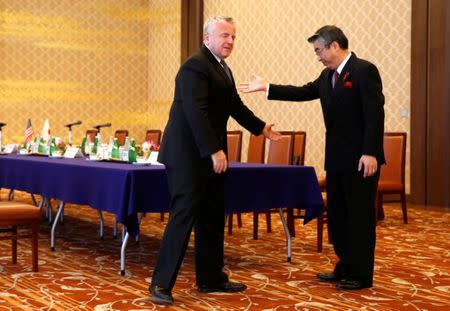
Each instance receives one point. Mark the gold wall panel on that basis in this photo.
(95, 61)
(271, 42)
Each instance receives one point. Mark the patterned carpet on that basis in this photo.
(412, 268)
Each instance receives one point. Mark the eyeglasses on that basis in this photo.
(319, 51)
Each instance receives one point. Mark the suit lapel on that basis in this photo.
(346, 71)
(222, 72)
(218, 67)
(328, 89)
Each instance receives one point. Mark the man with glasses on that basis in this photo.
(350, 92)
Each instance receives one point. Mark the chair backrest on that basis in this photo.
(256, 149)
(121, 135)
(234, 143)
(280, 151)
(394, 145)
(153, 135)
(92, 133)
(299, 148)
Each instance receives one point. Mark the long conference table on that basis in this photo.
(127, 190)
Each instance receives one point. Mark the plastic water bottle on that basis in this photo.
(124, 150)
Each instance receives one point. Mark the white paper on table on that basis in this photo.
(10, 148)
(153, 158)
(73, 152)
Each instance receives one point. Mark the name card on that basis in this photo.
(10, 148)
(73, 152)
(153, 158)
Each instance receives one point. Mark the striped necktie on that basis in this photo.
(335, 78)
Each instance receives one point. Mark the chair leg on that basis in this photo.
(34, 245)
(11, 195)
(319, 233)
(405, 215)
(14, 245)
(290, 221)
(330, 241)
(255, 225)
(239, 219)
(269, 222)
(230, 224)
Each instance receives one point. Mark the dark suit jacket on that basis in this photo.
(352, 110)
(204, 100)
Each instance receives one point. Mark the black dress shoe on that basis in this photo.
(227, 287)
(161, 295)
(330, 277)
(350, 284)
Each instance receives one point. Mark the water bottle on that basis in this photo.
(115, 150)
(96, 143)
(41, 146)
(87, 145)
(124, 150)
(110, 147)
(53, 147)
(132, 152)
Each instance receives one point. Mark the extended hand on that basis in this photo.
(256, 84)
(219, 160)
(370, 165)
(272, 135)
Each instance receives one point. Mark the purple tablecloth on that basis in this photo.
(126, 189)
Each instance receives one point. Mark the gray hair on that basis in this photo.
(213, 20)
(329, 33)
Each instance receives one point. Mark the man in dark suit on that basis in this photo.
(194, 149)
(350, 92)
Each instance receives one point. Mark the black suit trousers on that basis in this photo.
(197, 200)
(351, 219)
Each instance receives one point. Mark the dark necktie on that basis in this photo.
(335, 78)
(226, 69)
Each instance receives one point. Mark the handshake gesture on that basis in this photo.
(256, 84)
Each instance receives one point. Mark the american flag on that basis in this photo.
(28, 132)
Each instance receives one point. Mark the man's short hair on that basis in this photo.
(216, 19)
(328, 34)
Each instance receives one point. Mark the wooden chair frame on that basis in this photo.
(269, 160)
(9, 230)
(234, 158)
(400, 190)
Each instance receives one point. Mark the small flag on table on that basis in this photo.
(46, 132)
(28, 132)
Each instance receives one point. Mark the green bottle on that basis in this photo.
(132, 151)
(41, 148)
(94, 149)
(115, 151)
(83, 146)
(53, 147)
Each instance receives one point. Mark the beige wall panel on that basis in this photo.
(164, 59)
(67, 60)
(271, 42)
